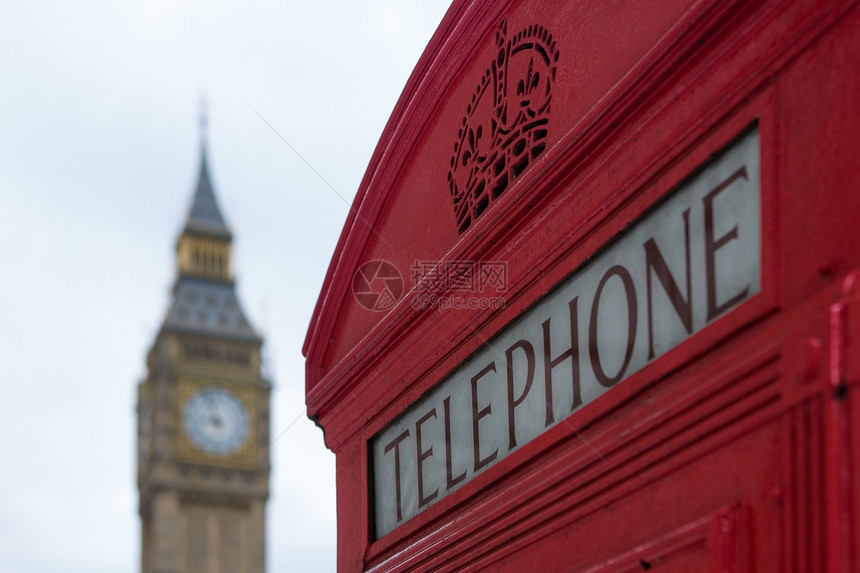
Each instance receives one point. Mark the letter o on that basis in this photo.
(632, 312)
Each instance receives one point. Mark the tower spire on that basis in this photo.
(204, 123)
(204, 216)
(203, 247)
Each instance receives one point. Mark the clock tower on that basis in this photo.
(203, 414)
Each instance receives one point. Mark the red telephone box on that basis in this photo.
(597, 304)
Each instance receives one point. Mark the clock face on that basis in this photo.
(216, 421)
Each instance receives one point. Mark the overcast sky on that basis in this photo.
(99, 152)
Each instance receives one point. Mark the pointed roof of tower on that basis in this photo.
(205, 217)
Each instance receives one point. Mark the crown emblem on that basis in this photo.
(505, 124)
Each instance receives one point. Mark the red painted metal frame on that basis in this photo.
(734, 451)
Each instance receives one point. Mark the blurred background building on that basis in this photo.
(203, 413)
(99, 158)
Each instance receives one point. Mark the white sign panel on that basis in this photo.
(691, 260)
